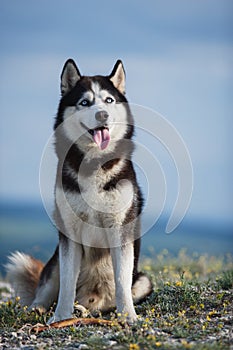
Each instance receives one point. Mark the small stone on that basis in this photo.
(111, 343)
(83, 346)
(14, 334)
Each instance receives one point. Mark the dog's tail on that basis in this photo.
(142, 287)
(23, 272)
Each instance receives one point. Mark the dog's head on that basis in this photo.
(93, 110)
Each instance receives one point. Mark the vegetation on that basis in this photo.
(190, 308)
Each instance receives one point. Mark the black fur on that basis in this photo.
(48, 268)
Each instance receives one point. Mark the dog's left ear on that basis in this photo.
(117, 76)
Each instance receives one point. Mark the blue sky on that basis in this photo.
(178, 59)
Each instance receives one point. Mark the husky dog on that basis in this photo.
(97, 205)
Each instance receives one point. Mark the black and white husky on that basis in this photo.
(98, 205)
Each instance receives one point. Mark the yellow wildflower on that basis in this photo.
(212, 312)
(181, 313)
(158, 343)
(147, 268)
(134, 347)
(151, 337)
(178, 284)
(185, 343)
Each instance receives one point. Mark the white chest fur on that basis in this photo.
(94, 215)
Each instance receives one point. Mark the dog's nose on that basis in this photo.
(101, 116)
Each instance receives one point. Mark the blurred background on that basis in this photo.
(178, 58)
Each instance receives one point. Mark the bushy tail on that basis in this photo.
(23, 272)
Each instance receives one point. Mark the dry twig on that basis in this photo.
(71, 322)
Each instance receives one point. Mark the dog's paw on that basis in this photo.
(81, 311)
(39, 309)
(131, 319)
(52, 320)
(128, 318)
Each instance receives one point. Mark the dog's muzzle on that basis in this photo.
(100, 134)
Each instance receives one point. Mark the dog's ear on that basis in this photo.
(117, 76)
(69, 76)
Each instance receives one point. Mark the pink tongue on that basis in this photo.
(101, 138)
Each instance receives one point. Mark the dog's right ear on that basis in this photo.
(69, 77)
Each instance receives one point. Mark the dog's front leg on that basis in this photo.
(70, 255)
(122, 258)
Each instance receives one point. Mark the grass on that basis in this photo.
(190, 308)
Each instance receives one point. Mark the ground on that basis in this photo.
(190, 308)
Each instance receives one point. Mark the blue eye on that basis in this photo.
(109, 100)
(84, 103)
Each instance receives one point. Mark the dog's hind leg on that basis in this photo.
(142, 285)
(48, 287)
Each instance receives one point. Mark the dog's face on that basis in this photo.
(94, 110)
